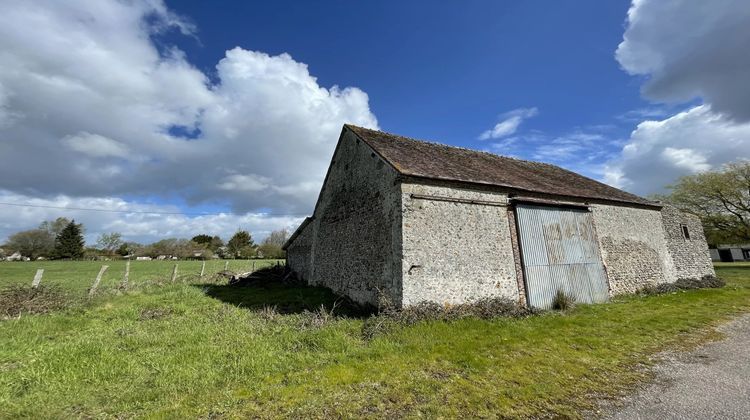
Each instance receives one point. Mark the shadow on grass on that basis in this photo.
(285, 298)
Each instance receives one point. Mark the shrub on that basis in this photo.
(486, 308)
(563, 301)
(705, 282)
(318, 318)
(17, 299)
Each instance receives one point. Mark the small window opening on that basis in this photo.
(685, 232)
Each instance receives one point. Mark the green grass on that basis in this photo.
(180, 350)
(78, 276)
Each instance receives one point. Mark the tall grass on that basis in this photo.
(186, 350)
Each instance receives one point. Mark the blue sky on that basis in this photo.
(443, 71)
(229, 111)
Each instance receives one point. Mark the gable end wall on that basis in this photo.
(691, 257)
(354, 238)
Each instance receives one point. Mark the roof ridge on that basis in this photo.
(450, 146)
(431, 159)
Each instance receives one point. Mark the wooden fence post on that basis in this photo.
(203, 268)
(174, 273)
(37, 278)
(226, 265)
(98, 280)
(126, 277)
(253, 270)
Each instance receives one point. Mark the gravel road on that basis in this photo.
(710, 382)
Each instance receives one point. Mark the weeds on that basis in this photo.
(147, 314)
(320, 317)
(563, 301)
(705, 282)
(268, 313)
(487, 308)
(17, 299)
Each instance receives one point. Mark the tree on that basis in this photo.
(721, 199)
(216, 243)
(109, 242)
(32, 243)
(277, 237)
(210, 242)
(241, 245)
(128, 248)
(202, 239)
(271, 246)
(69, 243)
(54, 227)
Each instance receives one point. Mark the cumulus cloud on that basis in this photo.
(691, 49)
(659, 152)
(510, 121)
(92, 106)
(685, 50)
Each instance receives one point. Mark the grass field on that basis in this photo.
(202, 350)
(78, 276)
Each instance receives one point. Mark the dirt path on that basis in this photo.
(710, 382)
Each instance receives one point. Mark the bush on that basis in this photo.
(705, 282)
(487, 308)
(16, 300)
(563, 301)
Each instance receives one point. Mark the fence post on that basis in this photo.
(226, 265)
(253, 270)
(203, 268)
(37, 278)
(126, 277)
(174, 273)
(98, 279)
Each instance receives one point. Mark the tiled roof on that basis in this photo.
(437, 161)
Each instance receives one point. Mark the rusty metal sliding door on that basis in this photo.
(560, 252)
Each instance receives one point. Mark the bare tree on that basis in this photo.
(109, 242)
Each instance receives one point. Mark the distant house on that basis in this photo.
(411, 221)
(731, 252)
(16, 256)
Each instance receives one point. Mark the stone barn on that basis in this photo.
(413, 221)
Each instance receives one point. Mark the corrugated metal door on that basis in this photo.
(560, 252)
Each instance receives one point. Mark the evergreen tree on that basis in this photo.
(241, 245)
(69, 243)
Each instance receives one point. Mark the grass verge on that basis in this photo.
(178, 350)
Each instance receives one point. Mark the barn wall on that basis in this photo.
(355, 234)
(633, 246)
(691, 256)
(299, 254)
(455, 252)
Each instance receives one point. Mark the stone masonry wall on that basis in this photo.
(691, 256)
(455, 252)
(356, 228)
(299, 254)
(633, 247)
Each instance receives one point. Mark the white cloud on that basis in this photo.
(687, 159)
(510, 122)
(246, 183)
(87, 102)
(95, 145)
(691, 49)
(685, 50)
(659, 152)
(131, 219)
